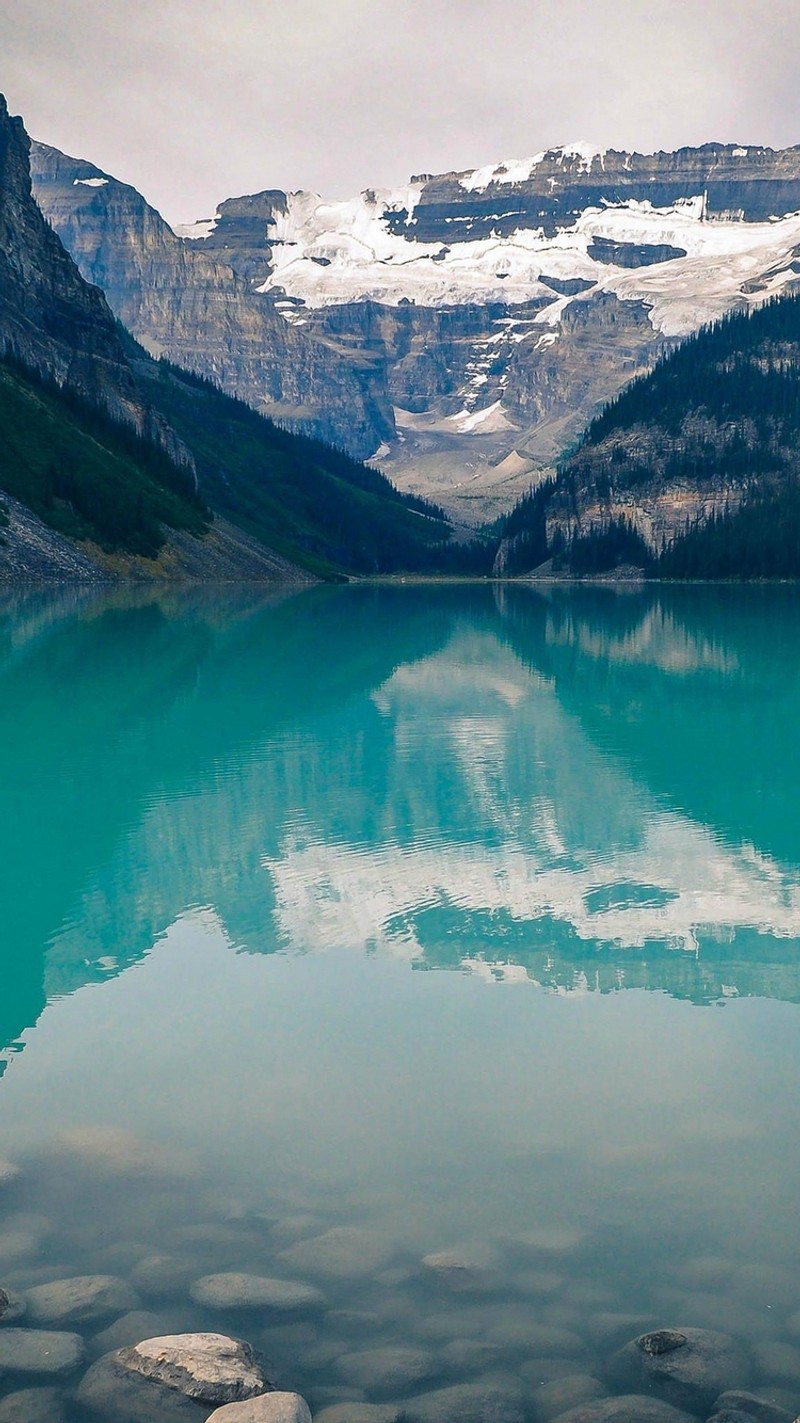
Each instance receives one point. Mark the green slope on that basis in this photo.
(86, 476)
(311, 503)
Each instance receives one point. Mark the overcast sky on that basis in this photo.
(193, 101)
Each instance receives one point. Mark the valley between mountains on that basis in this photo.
(571, 364)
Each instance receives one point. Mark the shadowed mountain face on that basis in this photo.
(49, 317)
(462, 329)
(591, 791)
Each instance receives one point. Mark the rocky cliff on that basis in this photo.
(52, 320)
(189, 304)
(461, 329)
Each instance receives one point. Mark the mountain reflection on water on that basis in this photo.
(584, 788)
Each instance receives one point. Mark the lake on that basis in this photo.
(435, 949)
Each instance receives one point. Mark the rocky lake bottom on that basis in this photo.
(399, 1008)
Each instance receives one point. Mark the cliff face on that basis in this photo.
(184, 303)
(50, 318)
(462, 329)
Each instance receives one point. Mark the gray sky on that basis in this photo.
(193, 101)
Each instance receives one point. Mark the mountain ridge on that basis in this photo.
(489, 314)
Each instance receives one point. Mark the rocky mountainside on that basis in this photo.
(111, 463)
(191, 306)
(484, 316)
(693, 470)
(52, 320)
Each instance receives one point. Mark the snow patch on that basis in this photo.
(197, 231)
(89, 182)
(513, 170)
(489, 421)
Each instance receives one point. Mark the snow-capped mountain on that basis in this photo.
(493, 309)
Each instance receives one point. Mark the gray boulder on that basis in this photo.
(392, 1370)
(360, 1413)
(81, 1300)
(779, 1362)
(489, 1401)
(110, 1391)
(233, 1290)
(162, 1276)
(269, 1408)
(462, 1272)
(8, 1173)
(163, 1380)
(12, 1307)
(129, 1329)
(688, 1368)
(211, 1367)
(628, 1408)
(737, 1406)
(33, 1405)
(40, 1351)
(346, 1252)
(560, 1395)
(518, 1330)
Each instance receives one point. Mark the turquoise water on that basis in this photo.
(466, 918)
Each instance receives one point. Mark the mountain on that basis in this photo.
(193, 307)
(114, 464)
(693, 470)
(487, 314)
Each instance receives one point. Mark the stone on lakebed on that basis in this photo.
(688, 1368)
(80, 1300)
(233, 1290)
(164, 1378)
(40, 1351)
(268, 1408)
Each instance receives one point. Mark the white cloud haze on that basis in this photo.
(193, 101)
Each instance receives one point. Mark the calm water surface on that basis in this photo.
(466, 919)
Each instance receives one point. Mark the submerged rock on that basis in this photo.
(113, 1151)
(389, 1370)
(471, 1356)
(778, 1361)
(487, 1402)
(8, 1173)
(162, 1276)
(269, 1408)
(361, 1413)
(22, 1236)
(461, 1273)
(110, 1391)
(233, 1290)
(689, 1368)
(33, 1405)
(518, 1330)
(737, 1406)
(627, 1408)
(40, 1351)
(550, 1240)
(561, 1395)
(288, 1229)
(346, 1252)
(12, 1307)
(129, 1329)
(80, 1300)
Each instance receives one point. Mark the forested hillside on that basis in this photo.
(85, 474)
(692, 471)
(315, 505)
